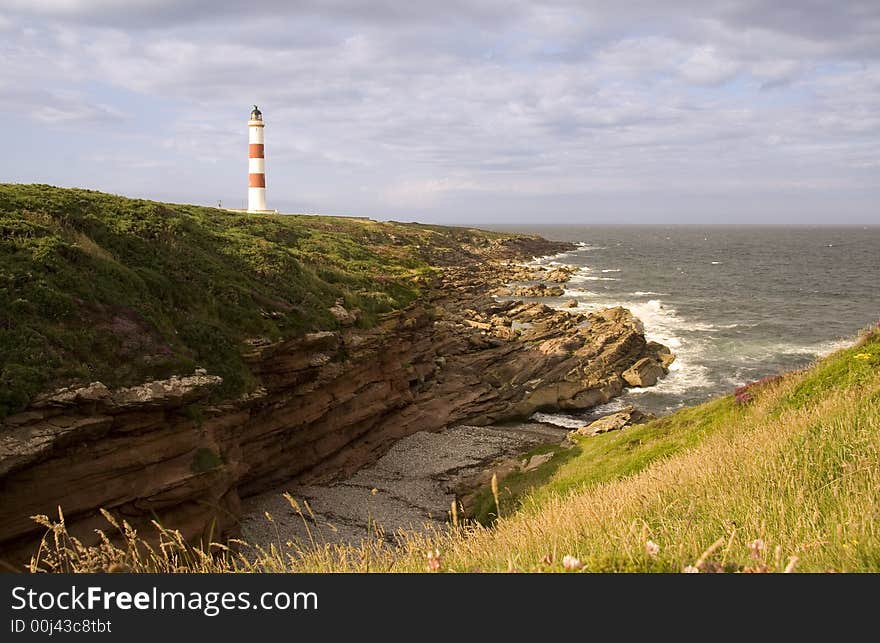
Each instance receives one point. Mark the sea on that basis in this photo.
(734, 303)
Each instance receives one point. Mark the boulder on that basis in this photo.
(536, 461)
(571, 303)
(661, 353)
(343, 316)
(644, 372)
(560, 274)
(615, 421)
(538, 290)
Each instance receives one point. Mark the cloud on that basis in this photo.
(379, 107)
(705, 66)
(56, 107)
(150, 14)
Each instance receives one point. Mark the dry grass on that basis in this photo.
(791, 483)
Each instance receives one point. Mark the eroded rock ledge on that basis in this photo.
(329, 403)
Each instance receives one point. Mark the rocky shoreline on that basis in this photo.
(330, 403)
(412, 487)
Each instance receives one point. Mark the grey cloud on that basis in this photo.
(140, 14)
(838, 21)
(427, 108)
(56, 107)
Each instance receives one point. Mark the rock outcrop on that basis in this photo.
(644, 372)
(559, 274)
(615, 421)
(327, 404)
(342, 315)
(537, 290)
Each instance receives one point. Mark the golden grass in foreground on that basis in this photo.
(791, 482)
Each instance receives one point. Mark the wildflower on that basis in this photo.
(864, 356)
(570, 563)
(690, 569)
(756, 547)
(434, 560)
(743, 397)
(652, 548)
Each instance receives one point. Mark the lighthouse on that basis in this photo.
(256, 163)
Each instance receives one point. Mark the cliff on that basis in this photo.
(312, 400)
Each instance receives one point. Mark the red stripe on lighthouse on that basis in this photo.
(257, 180)
(255, 150)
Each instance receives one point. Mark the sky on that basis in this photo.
(682, 111)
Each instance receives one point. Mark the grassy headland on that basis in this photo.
(780, 475)
(100, 287)
(783, 474)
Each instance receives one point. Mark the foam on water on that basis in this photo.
(818, 350)
(662, 324)
(762, 314)
(577, 419)
(578, 292)
(558, 419)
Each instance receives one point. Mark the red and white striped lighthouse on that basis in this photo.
(256, 163)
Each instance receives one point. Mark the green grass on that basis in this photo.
(604, 457)
(609, 456)
(859, 367)
(100, 287)
(786, 480)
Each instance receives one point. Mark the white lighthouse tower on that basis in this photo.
(256, 163)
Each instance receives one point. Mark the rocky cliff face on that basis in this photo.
(330, 402)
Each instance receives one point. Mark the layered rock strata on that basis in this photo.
(328, 403)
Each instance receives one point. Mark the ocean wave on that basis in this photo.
(581, 274)
(683, 378)
(611, 270)
(661, 318)
(548, 259)
(649, 293)
(832, 346)
(717, 263)
(663, 324)
(758, 354)
(579, 419)
(821, 349)
(558, 419)
(577, 292)
(554, 259)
